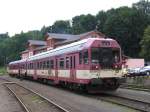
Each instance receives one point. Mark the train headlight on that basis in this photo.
(116, 66)
(96, 66)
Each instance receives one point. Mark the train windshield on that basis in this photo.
(105, 56)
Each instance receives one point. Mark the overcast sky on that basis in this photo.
(18, 15)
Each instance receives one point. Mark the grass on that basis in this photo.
(3, 71)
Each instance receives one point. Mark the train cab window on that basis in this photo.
(80, 57)
(85, 57)
(116, 56)
(61, 63)
(51, 64)
(95, 56)
(67, 62)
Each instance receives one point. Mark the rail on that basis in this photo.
(31, 100)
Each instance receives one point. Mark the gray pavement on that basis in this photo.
(8, 102)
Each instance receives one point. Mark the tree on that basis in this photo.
(143, 5)
(4, 36)
(45, 30)
(83, 23)
(145, 43)
(61, 27)
(101, 18)
(126, 25)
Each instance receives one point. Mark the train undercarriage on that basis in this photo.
(96, 85)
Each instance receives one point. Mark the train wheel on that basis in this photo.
(45, 81)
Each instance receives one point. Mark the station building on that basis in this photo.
(53, 40)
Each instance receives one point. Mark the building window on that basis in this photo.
(61, 63)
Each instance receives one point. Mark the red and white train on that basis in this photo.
(93, 64)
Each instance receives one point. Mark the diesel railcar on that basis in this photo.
(93, 64)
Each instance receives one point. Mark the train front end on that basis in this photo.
(105, 65)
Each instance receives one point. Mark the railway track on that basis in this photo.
(128, 102)
(112, 98)
(30, 100)
(135, 88)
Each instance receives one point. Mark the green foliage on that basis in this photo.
(83, 23)
(10, 48)
(126, 25)
(145, 42)
(101, 18)
(143, 5)
(3, 71)
(61, 27)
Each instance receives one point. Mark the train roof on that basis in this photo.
(18, 61)
(76, 46)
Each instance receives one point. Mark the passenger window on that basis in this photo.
(74, 62)
(80, 58)
(67, 62)
(44, 65)
(71, 62)
(85, 57)
(30, 65)
(40, 65)
(51, 64)
(61, 63)
(48, 64)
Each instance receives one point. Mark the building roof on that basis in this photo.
(90, 32)
(24, 51)
(74, 38)
(61, 36)
(40, 48)
(37, 42)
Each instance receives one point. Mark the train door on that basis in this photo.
(72, 67)
(35, 70)
(56, 70)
